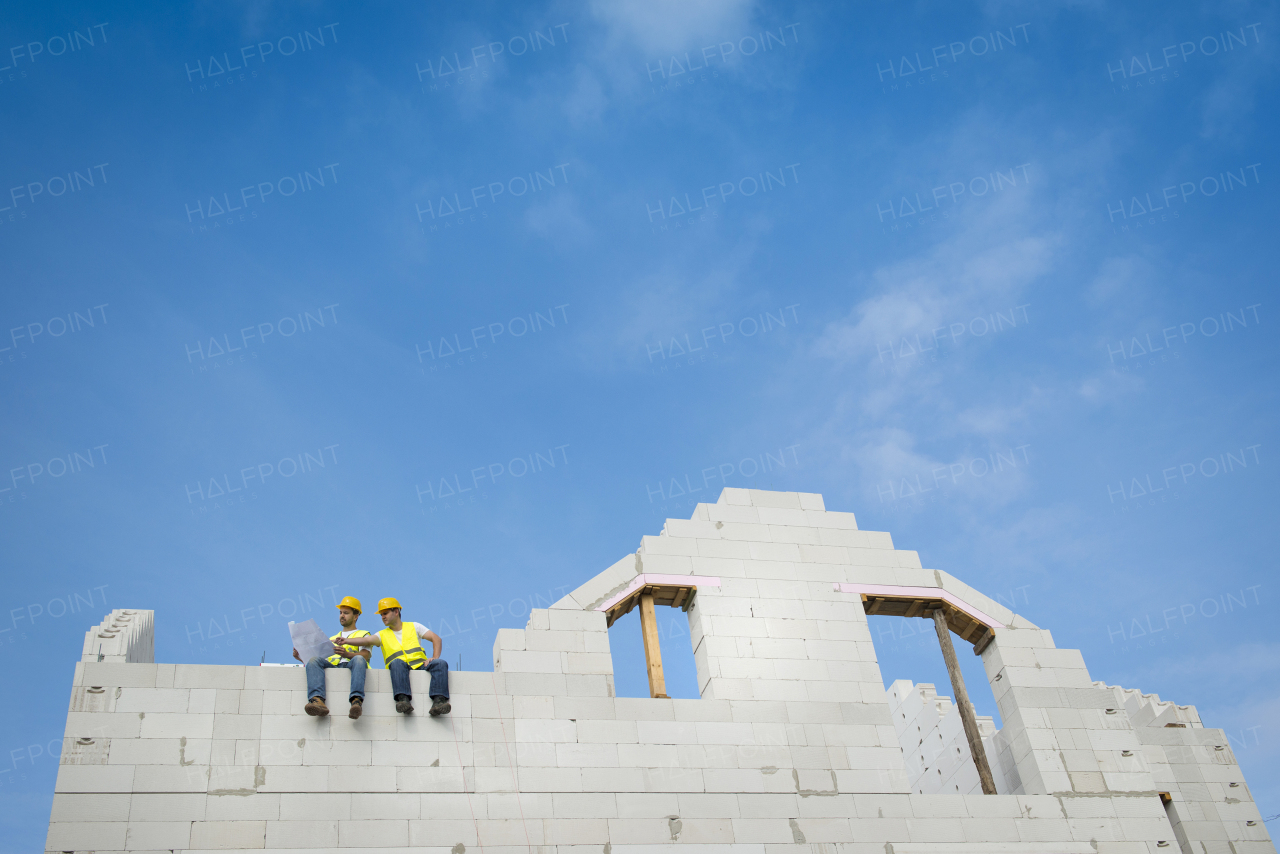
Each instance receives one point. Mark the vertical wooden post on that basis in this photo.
(652, 651)
(962, 701)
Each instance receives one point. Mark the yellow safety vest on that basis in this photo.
(337, 659)
(410, 651)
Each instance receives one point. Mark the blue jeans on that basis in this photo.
(315, 676)
(438, 668)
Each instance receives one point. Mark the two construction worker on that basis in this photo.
(401, 645)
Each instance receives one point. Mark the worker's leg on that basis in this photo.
(400, 680)
(315, 677)
(315, 687)
(439, 670)
(359, 667)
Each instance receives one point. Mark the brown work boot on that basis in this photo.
(403, 705)
(440, 706)
(357, 706)
(316, 708)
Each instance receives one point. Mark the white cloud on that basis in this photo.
(662, 25)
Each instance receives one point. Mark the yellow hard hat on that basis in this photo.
(351, 602)
(387, 604)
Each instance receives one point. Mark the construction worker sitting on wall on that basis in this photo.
(345, 655)
(402, 651)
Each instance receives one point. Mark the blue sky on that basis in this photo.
(288, 278)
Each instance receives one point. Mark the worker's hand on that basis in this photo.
(346, 653)
(295, 655)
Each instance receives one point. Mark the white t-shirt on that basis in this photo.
(418, 627)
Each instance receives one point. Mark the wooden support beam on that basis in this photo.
(875, 606)
(973, 625)
(916, 606)
(652, 651)
(681, 595)
(967, 716)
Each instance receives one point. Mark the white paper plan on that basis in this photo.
(309, 641)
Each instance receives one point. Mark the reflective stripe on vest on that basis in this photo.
(410, 652)
(337, 659)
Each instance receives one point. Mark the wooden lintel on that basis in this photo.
(983, 642)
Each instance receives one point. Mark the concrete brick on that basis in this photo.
(243, 807)
(607, 732)
(237, 726)
(564, 832)
(588, 662)
(316, 752)
(363, 778)
(206, 676)
(319, 805)
(111, 674)
(431, 779)
(204, 700)
(376, 833)
(585, 805)
(529, 707)
(523, 661)
(166, 725)
(86, 835)
(153, 700)
(587, 755)
(302, 834)
(285, 778)
(538, 684)
(170, 778)
(228, 835)
(589, 684)
(577, 621)
(104, 724)
(158, 835)
(439, 833)
(90, 808)
(94, 778)
(365, 806)
(549, 779)
(544, 730)
(167, 807)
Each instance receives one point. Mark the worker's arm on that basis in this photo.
(367, 641)
(346, 653)
(436, 643)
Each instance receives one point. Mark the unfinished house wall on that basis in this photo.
(792, 744)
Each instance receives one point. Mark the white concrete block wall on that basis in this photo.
(792, 744)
